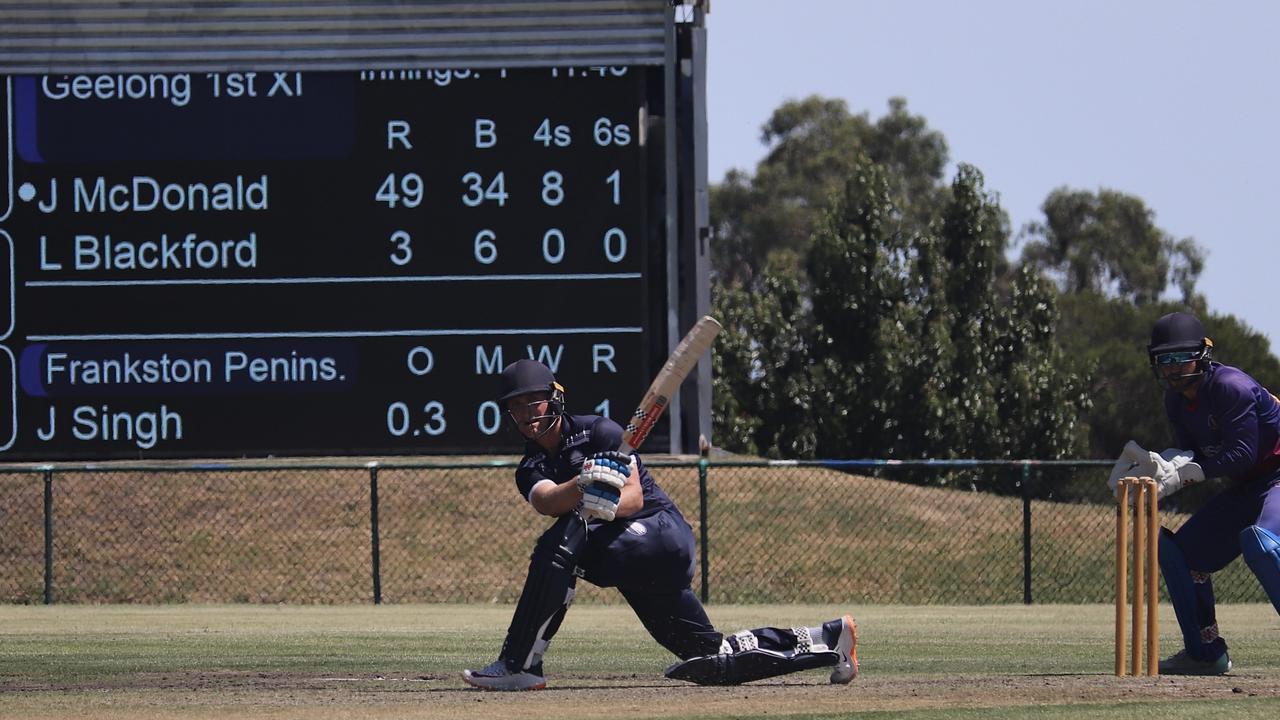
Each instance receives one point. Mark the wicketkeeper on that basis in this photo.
(1226, 425)
(615, 527)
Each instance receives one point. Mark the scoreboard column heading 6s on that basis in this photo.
(320, 263)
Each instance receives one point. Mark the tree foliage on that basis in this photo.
(906, 345)
(870, 309)
(764, 387)
(1107, 242)
(859, 266)
(813, 145)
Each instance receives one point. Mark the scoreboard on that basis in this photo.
(251, 264)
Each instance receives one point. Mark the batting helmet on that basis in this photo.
(526, 376)
(1178, 338)
(530, 376)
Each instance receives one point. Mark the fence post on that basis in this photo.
(375, 542)
(704, 449)
(48, 536)
(1026, 532)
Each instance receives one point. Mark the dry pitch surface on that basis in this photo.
(403, 661)
(296, 695)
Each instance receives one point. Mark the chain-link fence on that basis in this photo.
(950, 532)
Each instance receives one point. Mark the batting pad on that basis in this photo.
(1182, 591)
(1261, 550)
(744, 667)
(548, 592)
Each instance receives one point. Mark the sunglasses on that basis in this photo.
(1177, 358)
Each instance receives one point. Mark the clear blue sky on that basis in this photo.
(1175, 102)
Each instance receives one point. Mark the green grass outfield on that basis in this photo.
(199, 661)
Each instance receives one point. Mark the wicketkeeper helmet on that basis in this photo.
(1178, 338)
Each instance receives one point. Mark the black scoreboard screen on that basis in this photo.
(253, 264)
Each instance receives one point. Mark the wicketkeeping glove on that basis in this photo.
(1133, 462)
(601, 480)
(1174, 470)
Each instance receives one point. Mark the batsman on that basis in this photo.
(615, 527)
(1226, 425)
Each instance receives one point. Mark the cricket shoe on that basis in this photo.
(844, 632)
(496, 676)
(1181, 663)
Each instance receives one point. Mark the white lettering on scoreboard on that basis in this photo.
(256, 263)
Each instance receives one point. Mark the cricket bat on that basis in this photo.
(667, 381)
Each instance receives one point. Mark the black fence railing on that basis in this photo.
(847, 531)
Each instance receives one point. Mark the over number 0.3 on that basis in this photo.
(401, 420)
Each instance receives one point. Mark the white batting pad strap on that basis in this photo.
(539, 649)
(804, 640)
(725, 647)
(542, 643)
(746, 641)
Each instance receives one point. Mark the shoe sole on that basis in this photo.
(468, 680)
(853, 652)
(1183, 672)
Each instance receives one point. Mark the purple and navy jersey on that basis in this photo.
(1233, 426)
(582, 436)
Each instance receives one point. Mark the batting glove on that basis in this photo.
(600, 501)
(606, 468)
(601, 481)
